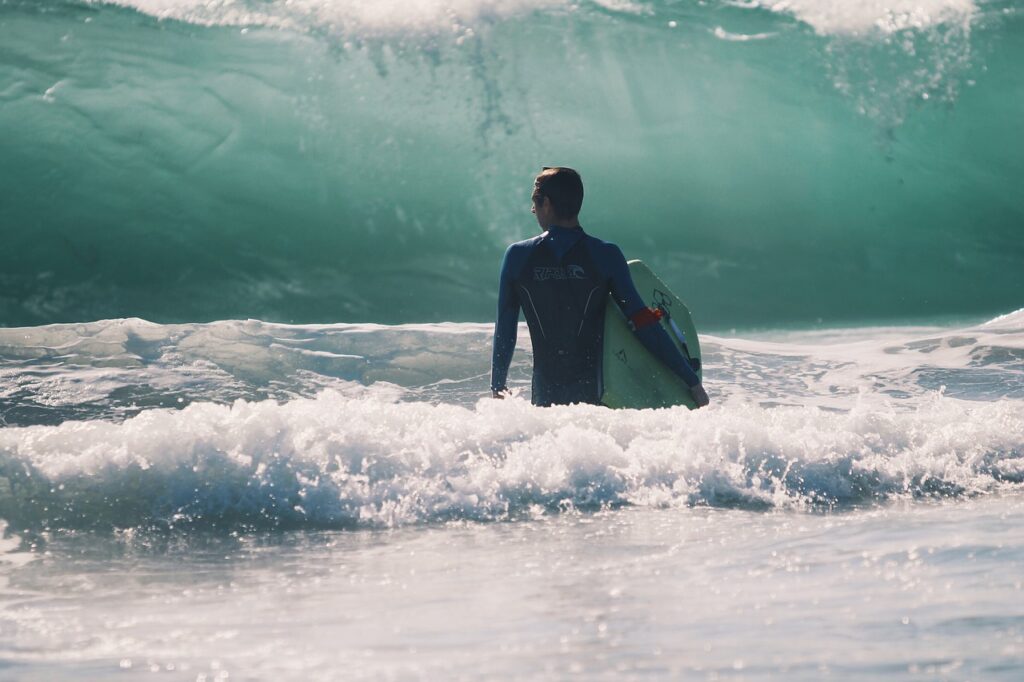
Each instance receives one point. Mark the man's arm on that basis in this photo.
(507, 325)
(652, 335)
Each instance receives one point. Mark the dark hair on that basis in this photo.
(564, 187)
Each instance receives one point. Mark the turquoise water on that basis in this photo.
(247, 279)
(341, 161)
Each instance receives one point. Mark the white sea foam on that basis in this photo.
(1011, 322)
(114, 368)
(361, 457)
(722, 34)
(843, 17)
(372, 15)
(826, 16)
(375, 425)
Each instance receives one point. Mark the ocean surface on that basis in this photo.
(248, 264)
(322, 502)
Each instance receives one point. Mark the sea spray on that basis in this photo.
(335, 461)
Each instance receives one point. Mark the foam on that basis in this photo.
(825, 16)
(115, 368)
(367, 15)
(835, 17)
(1012, 322)
(365, 458)
(369, 425)
(722, 34)
(841, 17)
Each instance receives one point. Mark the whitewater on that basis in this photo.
(247, 283)
(267, 501)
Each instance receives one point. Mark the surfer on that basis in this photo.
(561, 279)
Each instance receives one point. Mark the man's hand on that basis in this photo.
(700, 396)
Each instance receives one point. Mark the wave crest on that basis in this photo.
(367, 460)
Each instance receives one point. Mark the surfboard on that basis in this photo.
(633, 377)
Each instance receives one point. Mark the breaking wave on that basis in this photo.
(348, 426)
(322, 160)
(340, 461)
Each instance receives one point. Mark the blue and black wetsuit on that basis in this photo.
(561, 279)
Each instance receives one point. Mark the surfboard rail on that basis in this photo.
(633, 377)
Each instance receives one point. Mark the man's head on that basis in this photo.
(557, 196)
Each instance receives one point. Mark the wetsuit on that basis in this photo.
(561, 279)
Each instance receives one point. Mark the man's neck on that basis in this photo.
(572, 224)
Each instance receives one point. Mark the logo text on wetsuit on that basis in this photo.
(568, 272)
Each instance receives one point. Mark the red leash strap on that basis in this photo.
(646, 317)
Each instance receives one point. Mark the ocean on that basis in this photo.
(247, 288)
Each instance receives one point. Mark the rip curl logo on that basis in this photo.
(568, 272)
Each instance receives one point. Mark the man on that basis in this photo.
(561, 280)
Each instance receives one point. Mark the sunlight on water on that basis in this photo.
(197, 482)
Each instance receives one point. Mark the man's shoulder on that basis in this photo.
(517, 255)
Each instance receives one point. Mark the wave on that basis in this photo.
(319, 161)
(874, 16)
(825, 16)
(246, 424)
(365, 460)
(115, 369)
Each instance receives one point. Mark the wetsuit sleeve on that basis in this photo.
(507, 325)
(654, 337)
